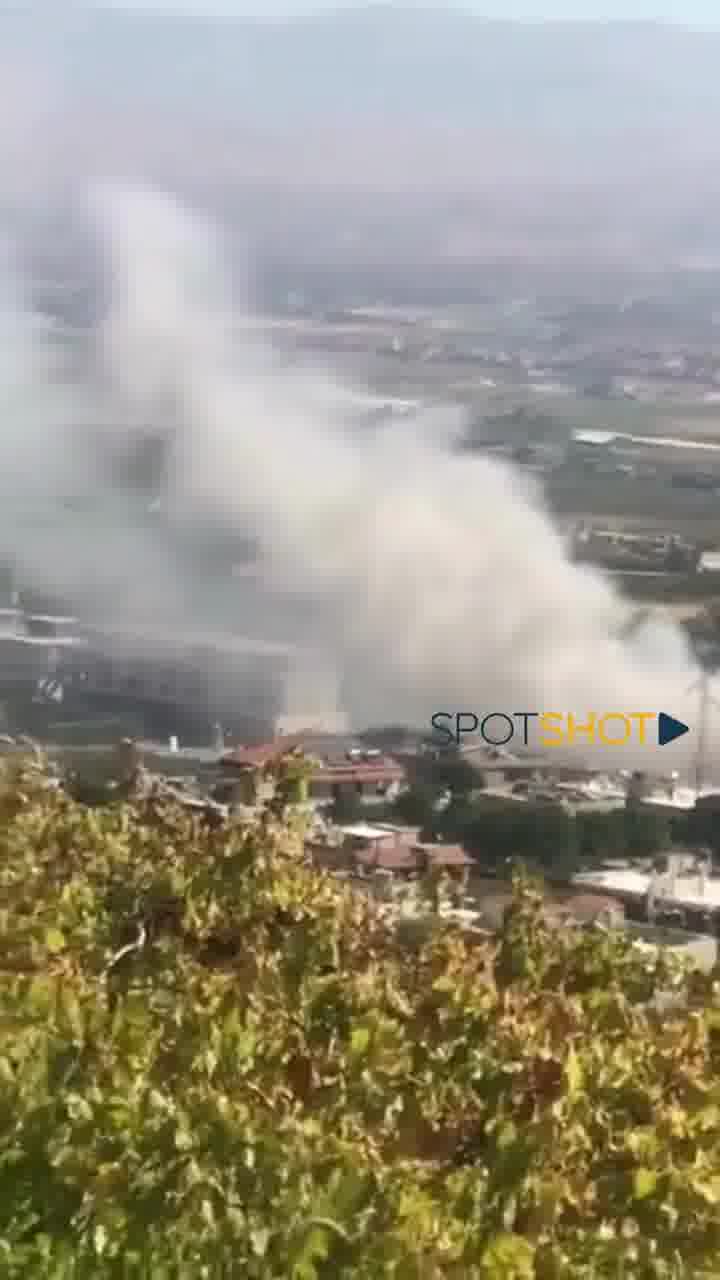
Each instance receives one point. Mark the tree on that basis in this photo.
(416, 806)
(602, 835)
(219, 1062)
(497, 830)
(453, 771)
(646, 832)
(445, 766)
(346, 807)
(699, 828)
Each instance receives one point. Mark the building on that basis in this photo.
(188, 676)
(34, 650)
(371, 849)
(175, 678)
(343, 769)
(709, 562)
(497, 768)
(684, 890)
(164, 682)
(584, 441)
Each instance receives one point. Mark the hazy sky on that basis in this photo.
(696, 12)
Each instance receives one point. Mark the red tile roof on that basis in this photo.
(258, 757)
(406, 856)
(378, 770)
(393, 857)
(445, 855)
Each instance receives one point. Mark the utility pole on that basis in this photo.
(703, 687)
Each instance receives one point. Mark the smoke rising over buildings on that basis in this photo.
(423, 579)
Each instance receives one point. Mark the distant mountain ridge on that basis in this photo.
(434, 65)
(382, 137)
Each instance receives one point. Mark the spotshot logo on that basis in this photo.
(559, 728)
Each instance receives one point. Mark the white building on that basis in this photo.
(709, 562)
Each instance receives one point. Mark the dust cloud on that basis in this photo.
(429, 581)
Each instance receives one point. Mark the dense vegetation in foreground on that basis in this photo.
(216, 1062)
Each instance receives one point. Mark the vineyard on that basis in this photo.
(216, 1062)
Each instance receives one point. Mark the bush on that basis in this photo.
(217, 1062)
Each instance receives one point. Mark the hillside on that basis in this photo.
(383, 137)
(218, 1063)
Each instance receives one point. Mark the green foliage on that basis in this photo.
(634, 832)
(602, 835)
(346, 807)
(452, 771)
(646, 832)
(497, 830)
(216, 1062)
(544, 834)
(699, 827)
(416, 806)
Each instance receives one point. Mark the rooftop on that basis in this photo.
(497, 759)
(184, 640)
(594, 437)
(339, 759)
(364, 831)
(395, 857)
(446, 855)
(383, 770)
(407, 856)
(260, 756)
(676, 797)
(685, 892)
(44, 642)
(199, 755)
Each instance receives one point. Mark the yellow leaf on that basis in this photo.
(573, 1073)
(644, 1183)
(508, 1257)
(359, 1041)
(708, 1188)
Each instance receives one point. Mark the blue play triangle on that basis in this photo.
(669, 729)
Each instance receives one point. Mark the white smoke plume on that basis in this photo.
(425, 579)
(437, 581)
